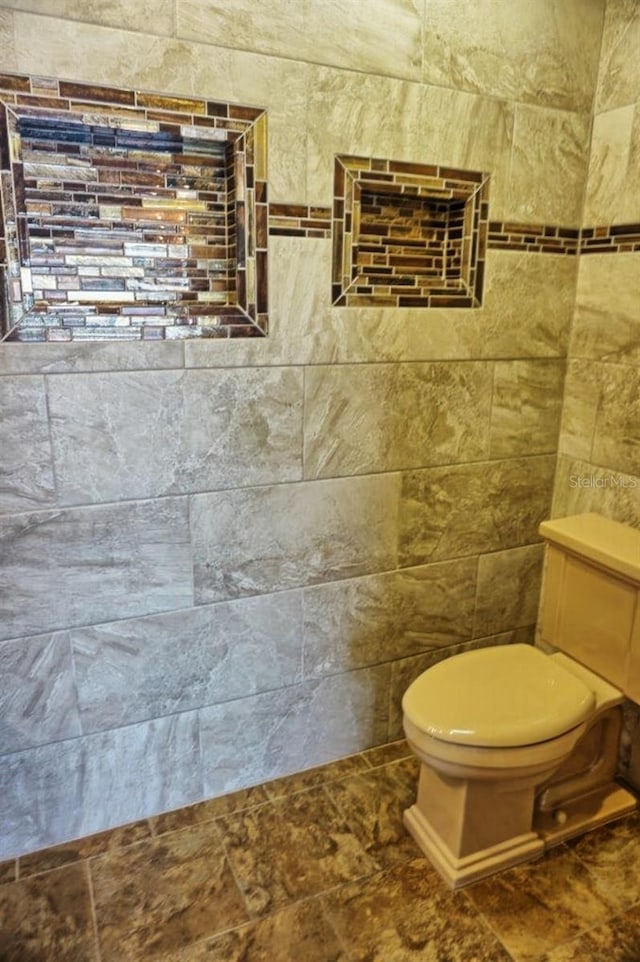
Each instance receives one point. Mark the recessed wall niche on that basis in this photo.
(131, 215)
(408, 235)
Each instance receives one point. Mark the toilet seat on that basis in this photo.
(507, 696)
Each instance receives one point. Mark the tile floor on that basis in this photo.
(314, 868)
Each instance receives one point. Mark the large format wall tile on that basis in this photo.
(258, 738)
(580, 407)
(618, 77)
(616, 438)
(614, 168)
(52, 358)
(380, 618)
(496, 49)
(256, 540)
(26, 470)
(471, 508)
(508, 589)
(581, 486)
(148, 16)
(558, 144)
(528, 305)
(384, 41)
(38, 701)
(382, 417)
(89, 565)
(525, 407)
(174, 431)
(607, 317)
(80, 786)
(130, 670)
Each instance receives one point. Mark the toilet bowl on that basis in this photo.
(518, 746)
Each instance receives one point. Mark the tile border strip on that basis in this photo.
(300, 220)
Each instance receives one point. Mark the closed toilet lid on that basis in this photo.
(502, 696)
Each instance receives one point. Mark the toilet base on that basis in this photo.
(479, 864)
(604, 804)
(598, 807)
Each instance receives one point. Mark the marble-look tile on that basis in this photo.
(607, 316)
(85, 785)
(130, 670)
(609, 197)
(618, 80)
(26, 469)
(558, 144)
(164, 894)
(313, 777)
(499, 50)
(525, 407)
(168, 432)
(8, 40)
(348, 113)
(582, 389)
(8, 871)
(266, 736)
(95, 356)
(320, 31)
(290, 849)
(404, 914)
(528, 304)
(148, 16)
(533, 908)
(372, 805)
(508, 589)
(363, 621)
(385, 754)
(35, 863)
(38, 700)
(208, 810)
(48, 917)
(465, 509)
(89, 565)
(296, 933)
(581, 486)
(366, 418)
(256, 540)
(612, 856)
(481, 138)
(616, 438)
(614, 941)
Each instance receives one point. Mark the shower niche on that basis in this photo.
(407, 234)
(131, 215)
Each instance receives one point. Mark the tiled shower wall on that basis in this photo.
(225, 561)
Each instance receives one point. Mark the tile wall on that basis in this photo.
(224, 562)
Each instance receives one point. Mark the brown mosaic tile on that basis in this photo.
(163, 204)
(407, 235)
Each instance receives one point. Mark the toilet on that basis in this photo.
(518, 745)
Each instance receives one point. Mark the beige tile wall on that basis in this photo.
(231, 559)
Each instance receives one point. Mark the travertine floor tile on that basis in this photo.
(406, 914)
(206, 811)
(164, 894)
(298, 933)
(292, 848)
(48, 918)
(612, 856)
(315, 776)
(373, 804)
(537, 906)
(616, 941)
(82, 848)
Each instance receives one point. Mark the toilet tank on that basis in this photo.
(591, 596)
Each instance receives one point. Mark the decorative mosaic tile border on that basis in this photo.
(407, 235)
(298, 220)
(619, 239)
(131, 215)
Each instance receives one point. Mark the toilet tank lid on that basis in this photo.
(611, 544)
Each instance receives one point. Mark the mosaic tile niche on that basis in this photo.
(131, 215)
(408, 235)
